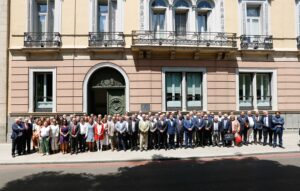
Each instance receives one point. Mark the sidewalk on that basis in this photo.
(291, 141)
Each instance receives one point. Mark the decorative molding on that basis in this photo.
(94, 69)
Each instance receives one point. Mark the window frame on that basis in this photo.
(32, 72)
(273, 72)
(185, 70)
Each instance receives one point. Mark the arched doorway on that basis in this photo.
(106, 92)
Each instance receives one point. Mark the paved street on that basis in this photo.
(261, 172)
(290, 141)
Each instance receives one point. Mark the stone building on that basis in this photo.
(113, 56)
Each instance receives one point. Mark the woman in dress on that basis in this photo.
(54, 135)
(99, 134)
(235, 127)
(106, 139)
(89, 135)
(64, 136)
(36, 134)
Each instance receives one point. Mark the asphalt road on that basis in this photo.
(262, 172)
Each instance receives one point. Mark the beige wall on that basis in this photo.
(282, 17)
(3, 68)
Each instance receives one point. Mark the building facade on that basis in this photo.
(3, 68)
(113, 56)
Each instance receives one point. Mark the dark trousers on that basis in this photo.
(16, 145)
(268, 132)
(278, 133)
(74, 144)
(200, 137)
(82, 143)
(122, 142)
(162, 140)
(171, 141)
(132, 140)
(188, 138)
(26, 143)
(259, 132)
(207, 137)
(152, 140)
(243, 134)
(179, 139)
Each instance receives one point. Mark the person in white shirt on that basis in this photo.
(45, 137)
(81, 135)
(54, 127)
(251, 123)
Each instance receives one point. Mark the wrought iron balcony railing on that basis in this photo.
(256, 42)
(106, 39)
(42, 39)
(193, 39)
(298, 42)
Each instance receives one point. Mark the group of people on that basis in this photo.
(73, 134)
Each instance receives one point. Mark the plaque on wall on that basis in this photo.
(145, 107)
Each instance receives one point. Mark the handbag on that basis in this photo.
(228, 137)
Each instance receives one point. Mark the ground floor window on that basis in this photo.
(255, 90)
(42, 90)
(183, 90)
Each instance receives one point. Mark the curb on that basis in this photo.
(156, 159)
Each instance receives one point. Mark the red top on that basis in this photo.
(97, 132)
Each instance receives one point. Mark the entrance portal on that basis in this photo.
(106, 92)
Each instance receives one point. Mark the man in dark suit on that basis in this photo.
(179, 130)
(207, 127)
(188, 129)
(226, 129)
(162, 132)
(258, 126)
(267, 128)
(27, 136)
(278, 127)
(74, 132)
(171, 129)
(197, 122)
(16, 136)
(133, 126)
(243, 127)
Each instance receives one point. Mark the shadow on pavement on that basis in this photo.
(218, 175)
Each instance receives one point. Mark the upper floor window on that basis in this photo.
(181, 9)
(255, 17)
(41, 16)
(204, 9)
(158, 15)
(106, 15)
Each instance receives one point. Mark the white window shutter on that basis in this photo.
(265, 18)
(244, 18)
(94, 15)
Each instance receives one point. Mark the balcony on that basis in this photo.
(255, 42)
(42, 40)
(298, 42)
(184, 39)
(106, 39)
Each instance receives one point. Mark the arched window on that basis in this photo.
(204, 9)
(158, 15)
(181, 8)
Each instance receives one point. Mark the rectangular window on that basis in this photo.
(257, 95)
(43, 91)
(263, 90)
(194, 90)
(102, 17)
(173, 91)
(44, 16)
(245, 91)
(253, 20)
(180, 23)
(202, 22)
